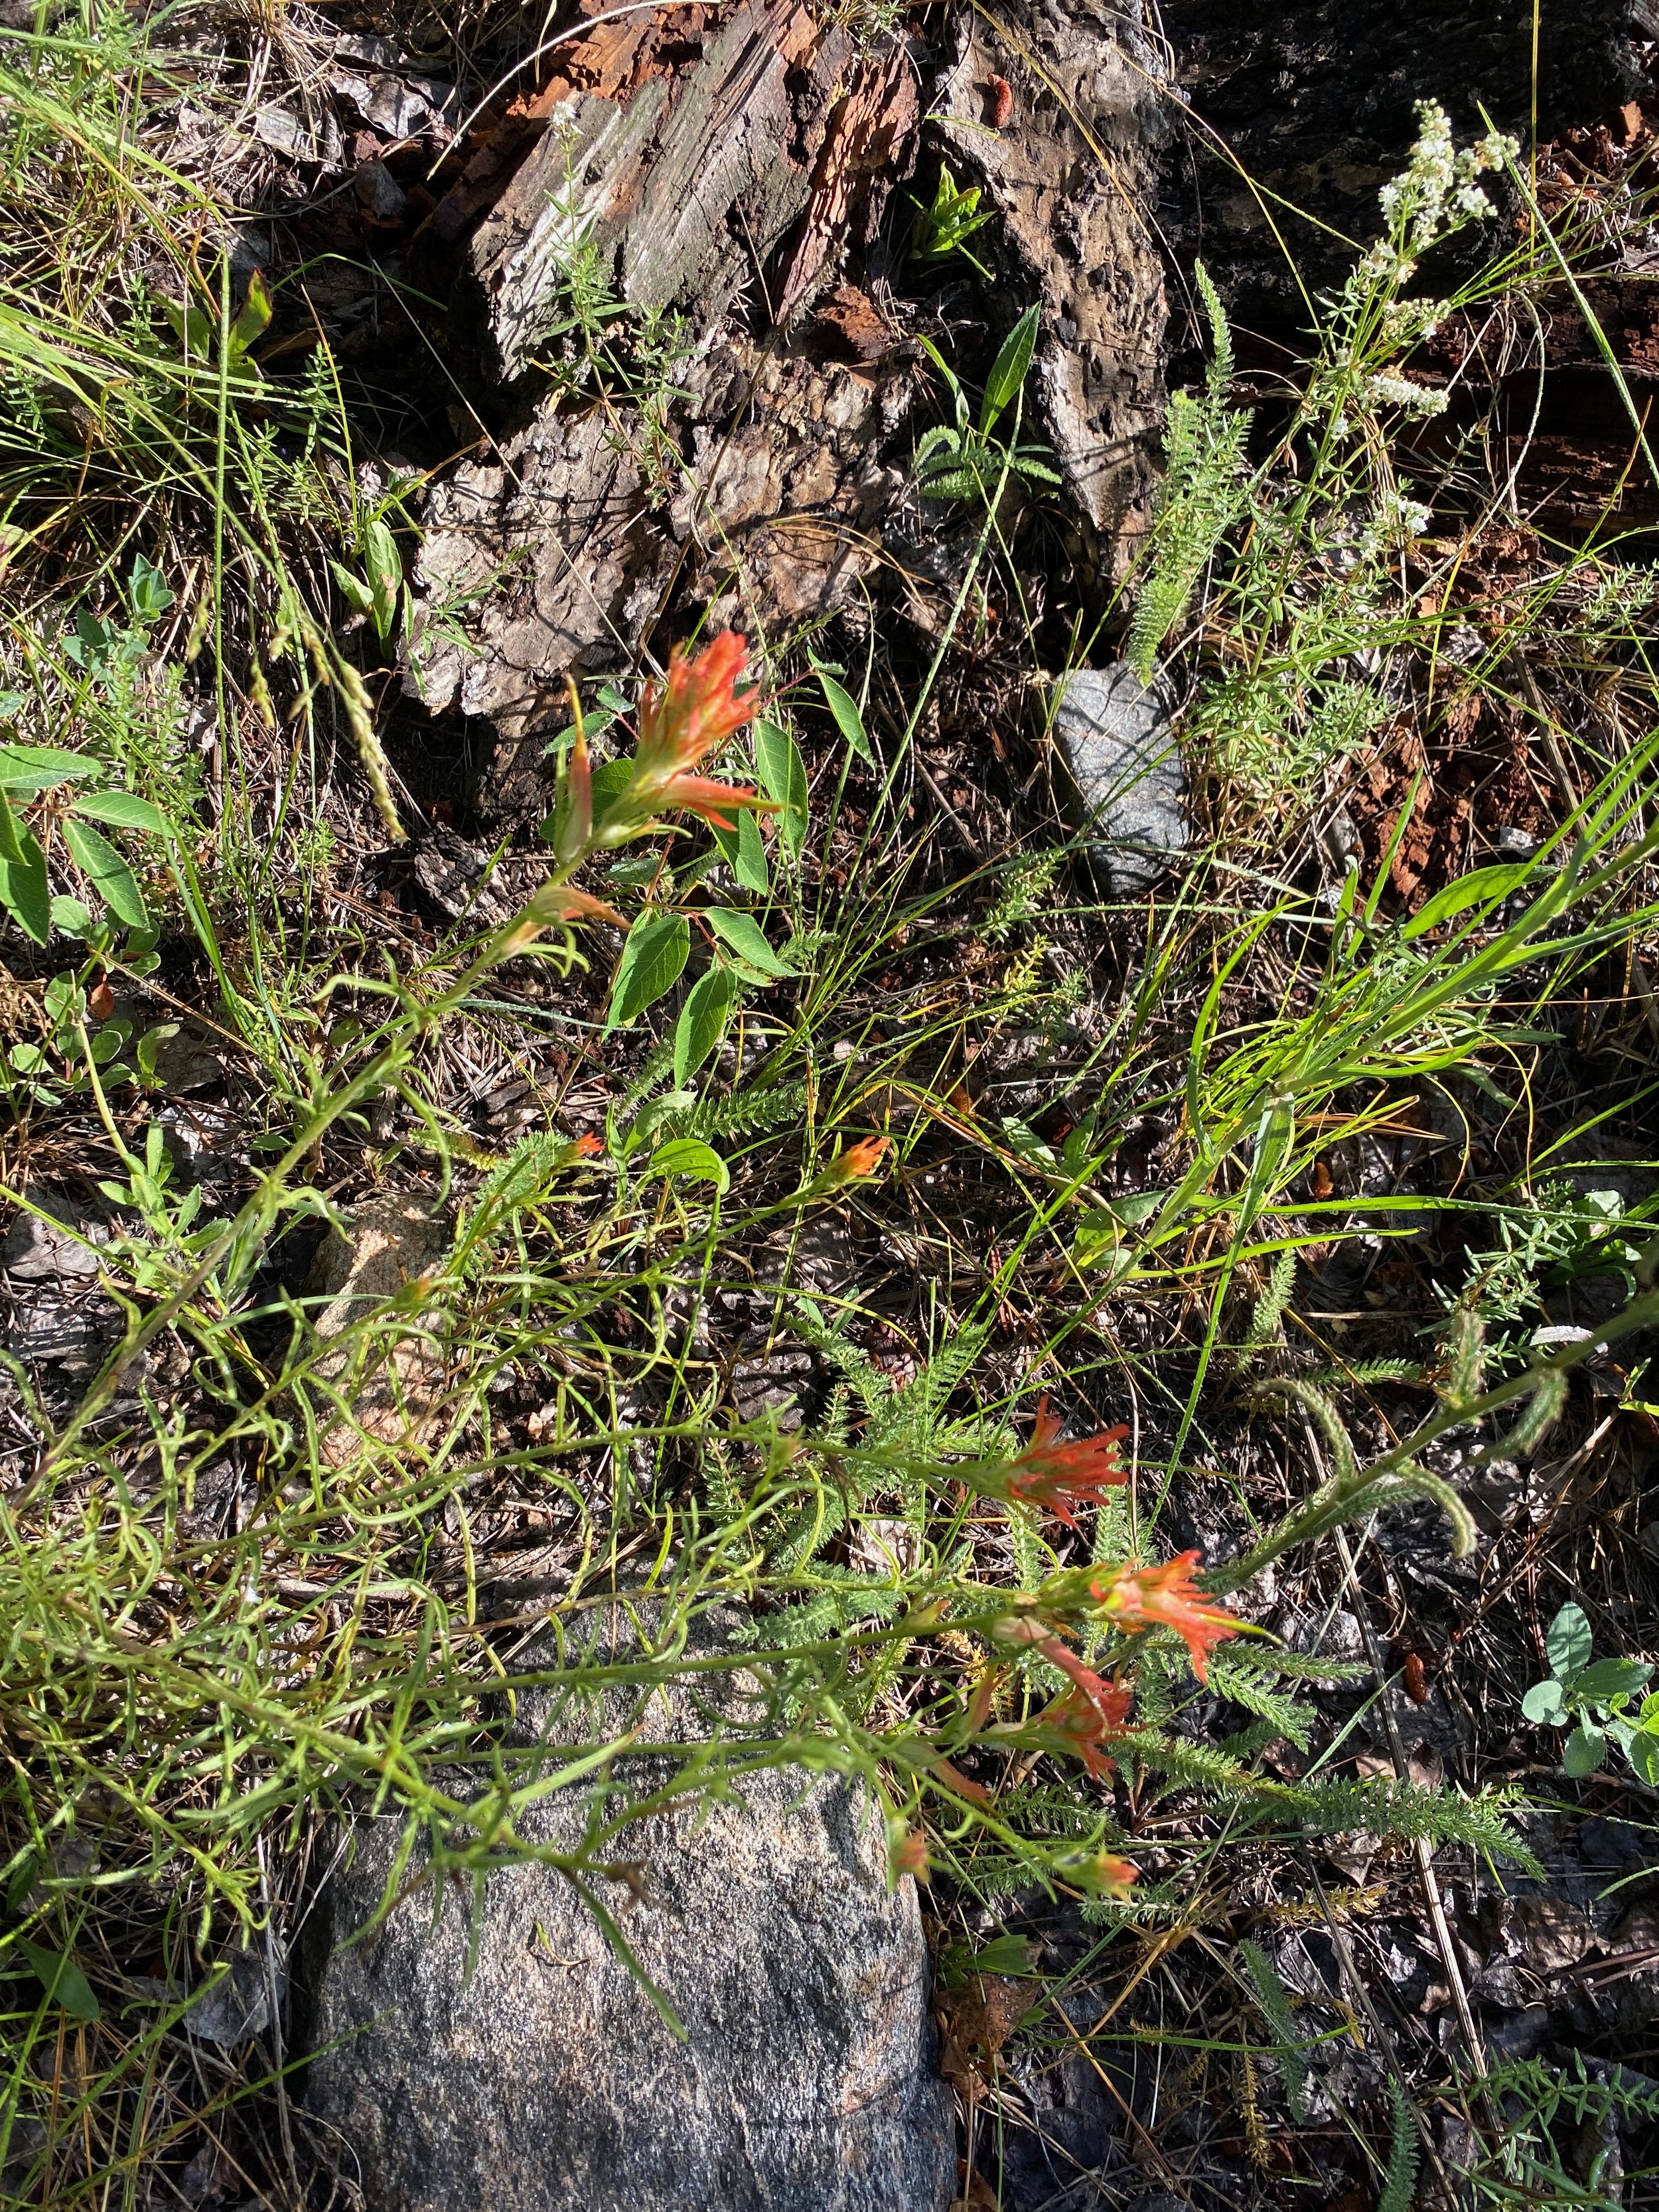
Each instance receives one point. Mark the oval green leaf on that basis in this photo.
(1583, 1751)
(1612, 1678)
(747, 939)
(124, 810)
(743, 850)
(41, 766)
(1543, 1706)
(650, 965)
(702, 1019)
(691, 1158)
(1567, 1642)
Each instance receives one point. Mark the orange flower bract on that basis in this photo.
(1049, 1474)
(1167, 1597)
(857, 1160)
(682, 720)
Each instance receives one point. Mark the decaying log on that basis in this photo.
(1074, 178)
(559, 557)
(684, 147)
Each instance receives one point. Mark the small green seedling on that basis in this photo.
(953, 218)
(1592, 1697)
(960, 460)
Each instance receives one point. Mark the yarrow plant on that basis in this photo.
(1437, 195)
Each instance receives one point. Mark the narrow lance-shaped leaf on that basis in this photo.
(62, 1979)
(702, 1021)
(23, 875)
(386, 575)
(848, 721)
(783, 777)
(252, 318)
(1009, 369)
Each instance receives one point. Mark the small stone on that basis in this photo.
(541, 2077)
(394, 1243)
(1121, 752)
(55, 1242)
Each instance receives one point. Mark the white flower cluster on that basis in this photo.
(1436, 195)
(1390, 390)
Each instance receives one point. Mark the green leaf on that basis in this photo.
(782, 776)
(384, 566)
(691, 1158)
(62, 1979)
(848, 721)
(1611, 1678)
(611, 778)
(650, 965)
(358, 594)
(126, 811)
(23, 890)
(1003, 1954)
(703, 1020)
(41, 766)
(70, 916)
(191, 325)
(1009, 368)
(1481, 887)
(149, 1048)
(1584, 1750)
(252, 318)
(1644, 1757)
(1543, 1704)
(747, 939)
(148, 592)
(108, 872)
(743, 850)
(12, 832)
(1567, 1643)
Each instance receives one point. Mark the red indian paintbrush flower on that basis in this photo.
(1167, 1597)
(908, 1855)
(682, 720)
(1048, 1472)
(1090, 1710)
(857, 1161)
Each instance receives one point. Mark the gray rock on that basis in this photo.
(548, 2082)
(1120, 753)
(52, 1244)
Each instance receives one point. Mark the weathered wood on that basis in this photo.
(686, 150)
(560, 557)
(1074, 177)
